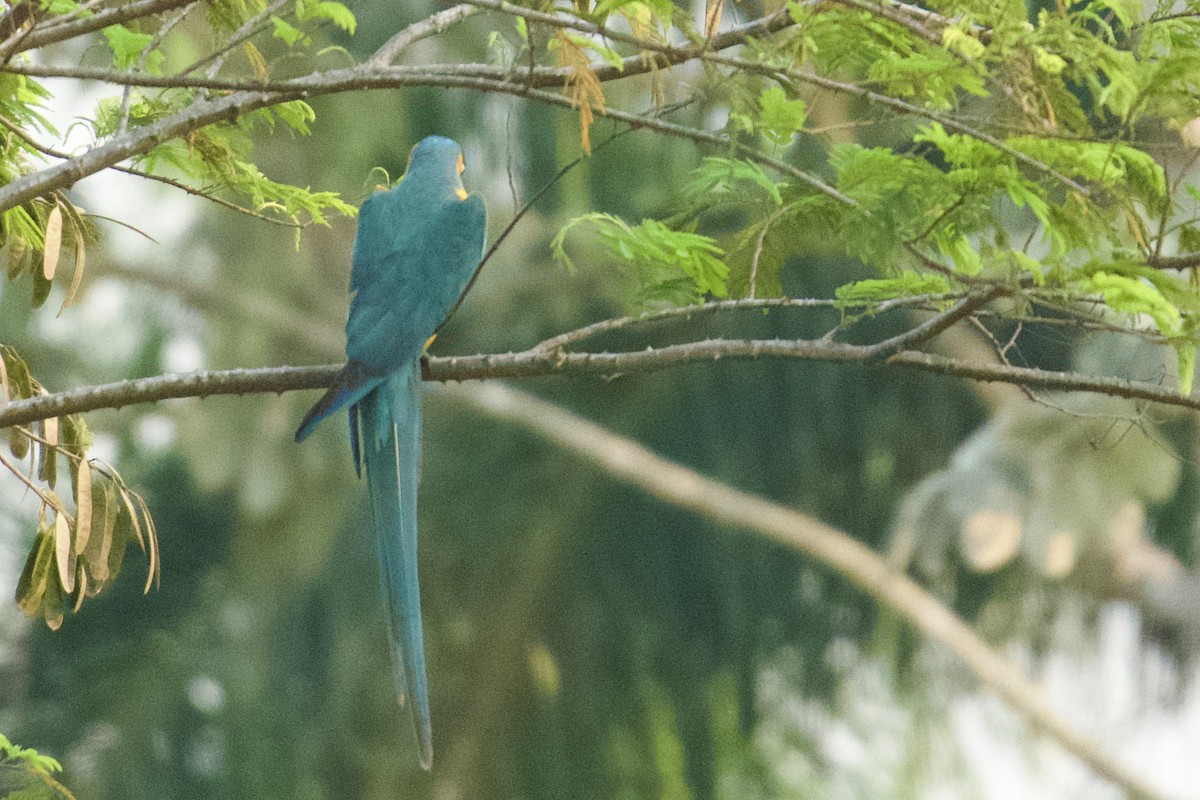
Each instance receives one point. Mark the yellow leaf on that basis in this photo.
(712, 17)
(104, 516)
(255, 57)
(77, 278)
(50, 252)
(48, 451)
(32, 585)
(154, 574)
(83, 587)
(83, 505)
(63, 552)
(137, 529)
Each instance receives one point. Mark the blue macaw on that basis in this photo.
(417, 249)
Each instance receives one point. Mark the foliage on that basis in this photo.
(855, 154)
(76, 554)
(27, 774)
(655, 255)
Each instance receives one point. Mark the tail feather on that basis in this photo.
(391, 446)
(352, 384)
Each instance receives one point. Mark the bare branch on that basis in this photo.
(1183, 261)
(430, 26)
(629, 462)
(61, 32)
(939, 323)
(534, 363)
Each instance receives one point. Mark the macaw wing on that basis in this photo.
(408, 277)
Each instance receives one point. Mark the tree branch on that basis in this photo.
(629, 462)
(376, 74)
(62, 31)
(230, 107)
(430, 26)
(537, 362)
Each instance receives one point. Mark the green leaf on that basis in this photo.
(957, 39)
(876, 290)
(961, 251)
(596, 46)
(672, 266)
(727, 176)
(296, 114)
(1189, 239)
(1135, 296)
(779, 117)
(1185, 358)
(335, 12)
(1048, 62)
(287, 32)
(127, 47)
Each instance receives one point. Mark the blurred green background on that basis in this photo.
(584, 640)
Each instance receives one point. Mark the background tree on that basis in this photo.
(804, 207)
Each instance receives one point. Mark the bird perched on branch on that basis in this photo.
(417, 249)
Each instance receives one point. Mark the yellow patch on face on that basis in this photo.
(461, 192)
(429, 341)
(462, 165)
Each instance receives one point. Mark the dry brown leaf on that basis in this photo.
(48, 452)
(712, 17)
(581, 83)
(63, 553)
(83, 505)
(137, 528)
(54, 226)
(83, 584)
(77, 278)
(154, 574)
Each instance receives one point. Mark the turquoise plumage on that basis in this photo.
(417, 248)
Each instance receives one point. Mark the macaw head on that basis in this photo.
(435, 162)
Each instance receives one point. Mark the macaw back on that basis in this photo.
(417, 247)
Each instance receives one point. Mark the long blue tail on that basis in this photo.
(391, 442)
(353, 383)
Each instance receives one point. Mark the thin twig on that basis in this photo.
(127, 95)
(562, 340)
(46, 498)
(245, 31)
(938, 323)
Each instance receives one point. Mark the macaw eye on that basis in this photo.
(461, 164)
